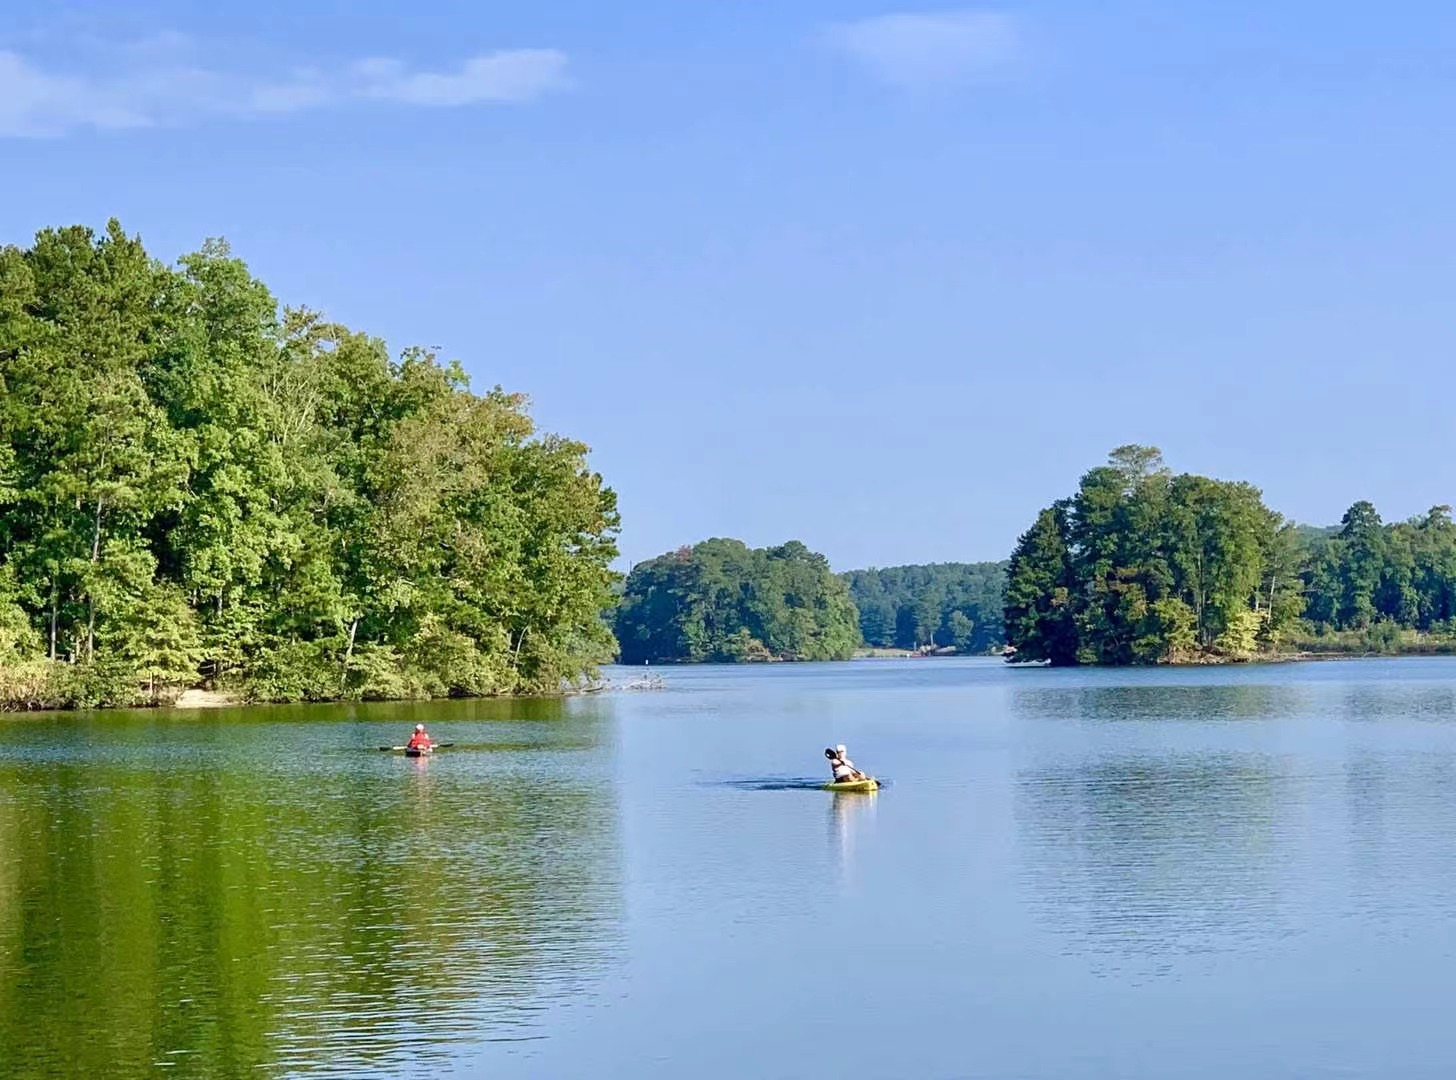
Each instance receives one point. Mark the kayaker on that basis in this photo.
(420, 740)
(843, 755)
(842, 768)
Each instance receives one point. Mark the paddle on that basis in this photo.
(433, 746)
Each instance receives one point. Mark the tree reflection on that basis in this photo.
(1157, 701)
(1153, 857)
(222, 906)
(1374, 702)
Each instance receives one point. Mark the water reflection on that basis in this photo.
(1401, 818)
(1374, 702)
(849, 812)
(1146, 858)
(1155, 701)
(268, 900)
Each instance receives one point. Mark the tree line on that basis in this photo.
(942, 605)
(1370, 578)
(1144, 566)
(723, 601)
(1138, 566)
(196, 483)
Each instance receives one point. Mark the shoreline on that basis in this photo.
(1259, 661)
(207, 699)
(197, 699)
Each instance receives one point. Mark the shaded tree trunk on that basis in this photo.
(91, 600)
(348, 654)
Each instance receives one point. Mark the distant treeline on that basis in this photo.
(723, 601)
(1370, 576)
(1142, 566)
(195, 483)
(946, 605)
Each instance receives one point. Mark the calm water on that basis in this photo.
(1154, 874)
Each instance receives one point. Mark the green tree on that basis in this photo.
(190, 475)
(960, 632)
(908, 606)
(1142, 566)
(720, 600)
(160, 641)
(1040, 616)
(1363, 548)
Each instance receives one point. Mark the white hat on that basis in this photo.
(419, 727)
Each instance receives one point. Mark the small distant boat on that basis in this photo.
(868, 784)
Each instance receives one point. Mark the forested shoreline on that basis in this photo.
(197, 485)
(722, 601)
(1139, 566)
(1142, 566)
(946, 606)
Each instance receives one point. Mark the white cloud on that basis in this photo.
(155, 83)
(517, 75)
(306, 90)
(931, 49)
(35, 103)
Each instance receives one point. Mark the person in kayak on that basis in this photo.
(420, 740)
(843, 756)
(841, 767)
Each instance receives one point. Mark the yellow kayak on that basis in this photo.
(869, 784)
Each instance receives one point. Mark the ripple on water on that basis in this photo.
(220, 903)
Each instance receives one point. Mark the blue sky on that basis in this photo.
(884, 279)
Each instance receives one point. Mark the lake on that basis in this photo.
(1165, 873)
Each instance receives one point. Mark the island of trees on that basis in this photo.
(1142, 566)
(723, 601)
(197, 484)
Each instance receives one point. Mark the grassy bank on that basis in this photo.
(1382, 639)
